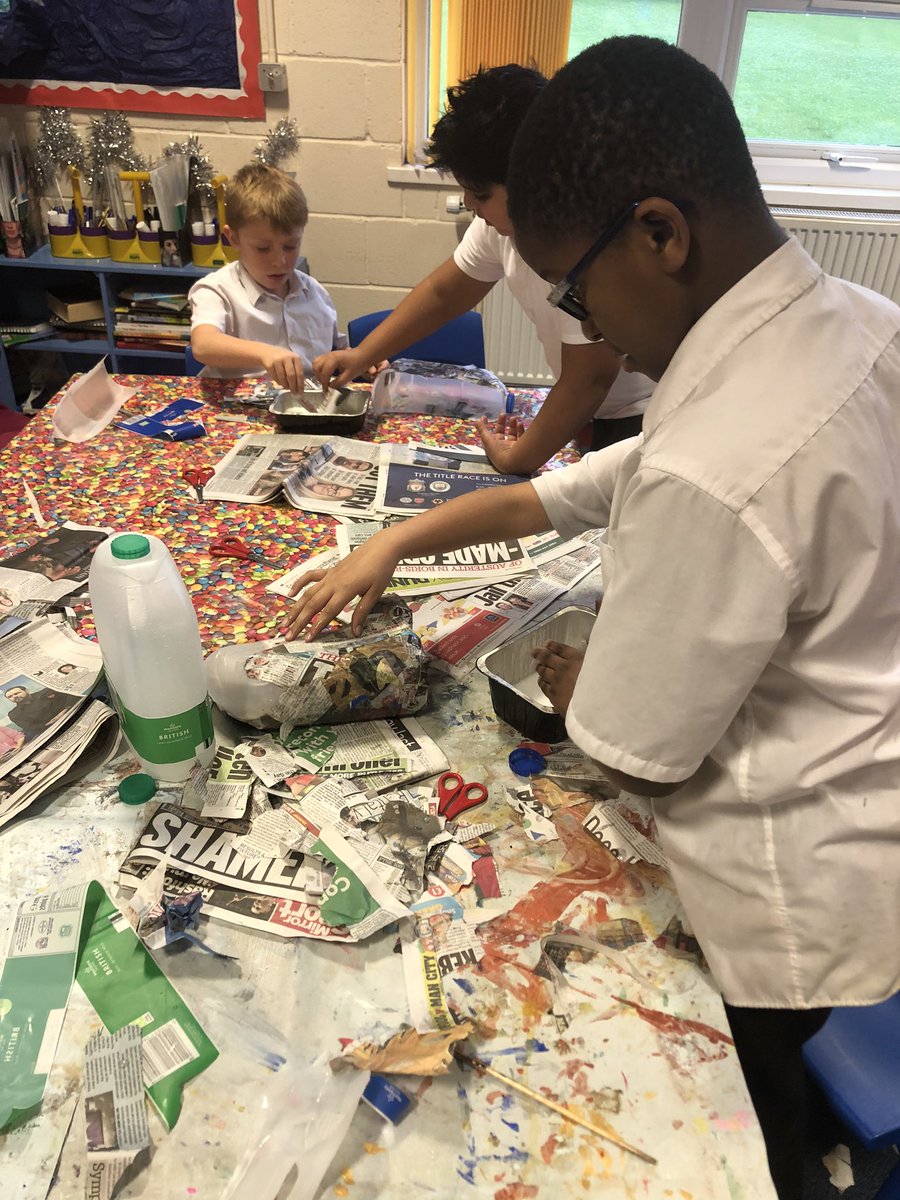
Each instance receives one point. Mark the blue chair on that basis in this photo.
(460, 341)
(855, 1059)
(192, 365)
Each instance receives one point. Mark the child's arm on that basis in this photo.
(588, 372)
(446, 293)
(217, 349)
(483, 516)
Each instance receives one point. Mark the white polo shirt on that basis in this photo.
(304, 321)
(750, 630)
(489, 256)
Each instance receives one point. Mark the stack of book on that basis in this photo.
(14, 331)
(76, 311)
(152, 320)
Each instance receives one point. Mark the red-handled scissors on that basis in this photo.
(233, 547)
(455, 796)
(197, 477)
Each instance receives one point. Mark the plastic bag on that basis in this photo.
(443, 389)
(305, 1116)
(332, 681)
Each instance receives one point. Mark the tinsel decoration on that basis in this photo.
(201, 168)
(279, 143)
(111, 140)
(58, 147)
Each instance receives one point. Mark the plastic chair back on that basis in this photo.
(192, 365)
(460, 341)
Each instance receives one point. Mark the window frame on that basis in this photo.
(712, 31)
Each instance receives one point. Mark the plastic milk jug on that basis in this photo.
(148, 635)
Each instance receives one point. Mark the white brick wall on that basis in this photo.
(367, 240)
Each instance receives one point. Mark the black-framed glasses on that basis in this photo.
(565, 294)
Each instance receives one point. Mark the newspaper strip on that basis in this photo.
(268, 761)
(344, 477)
(115, 1113)
(619, 836)
(361, 896)
(56, 563)
(46, 671)
(437, 942)
(77, 749)
(282, 917)
(221, 790)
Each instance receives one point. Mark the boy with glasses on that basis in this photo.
(744, 668)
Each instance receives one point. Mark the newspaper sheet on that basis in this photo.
(285, 918)
(56, 563)
(46, 670)
(77, 749)
(363, 893)
(419, 478)
(115, 1112)
(608, 825)
(344, 477)
(484, 561)
(455, 630)
(354, 750)
(254, 469)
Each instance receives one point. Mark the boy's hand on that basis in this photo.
(499, 440)
(365, 573)
(284, 367)
(340, 366)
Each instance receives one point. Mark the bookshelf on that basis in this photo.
(24, 282)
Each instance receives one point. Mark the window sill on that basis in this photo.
(414, 175)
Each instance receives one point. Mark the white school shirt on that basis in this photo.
(489, 256)
(749, 637)
(304, 321)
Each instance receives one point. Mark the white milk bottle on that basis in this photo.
(147, 630)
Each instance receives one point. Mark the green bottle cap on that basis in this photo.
(137, 789)
(130, 545)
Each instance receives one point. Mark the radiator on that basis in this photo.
(863, 247)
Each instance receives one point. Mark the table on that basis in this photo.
(637, 1038)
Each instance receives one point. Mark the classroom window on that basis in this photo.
(816, 83)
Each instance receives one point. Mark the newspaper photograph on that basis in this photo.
(56, 563)
(254, 469)
(46, 670)
(115, 1112)
(419, 478)
(345, 477)
(273, 914)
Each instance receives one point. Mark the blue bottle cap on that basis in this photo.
(526, 762)
(387, 1099)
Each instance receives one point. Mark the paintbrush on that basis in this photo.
(484, 1068)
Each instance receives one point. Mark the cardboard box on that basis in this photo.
(74, 304)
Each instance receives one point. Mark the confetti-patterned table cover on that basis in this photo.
(128, 482)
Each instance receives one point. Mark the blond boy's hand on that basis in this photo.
(365, 573)
(340, 366)
(284, 367)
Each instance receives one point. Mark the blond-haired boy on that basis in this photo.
(261, 314)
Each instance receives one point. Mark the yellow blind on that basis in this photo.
(493, 32)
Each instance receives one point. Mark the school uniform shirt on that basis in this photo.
(749, 637)
(304, 321)
(489, 256)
